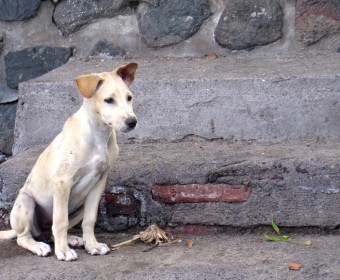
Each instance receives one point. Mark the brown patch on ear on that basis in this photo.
(127, 72)
(88, 84)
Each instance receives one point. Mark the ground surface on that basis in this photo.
(222, 256)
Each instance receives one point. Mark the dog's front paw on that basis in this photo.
(98, 249)
(69, 255)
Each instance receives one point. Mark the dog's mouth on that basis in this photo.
(127, 126)
(127, 129)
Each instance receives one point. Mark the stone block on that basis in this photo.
(104, 50)
(163, 23)
(18, 9)
(7, 95)
(70, 15)
(7, 122)
(33, 62)
(316, 20)
(246, 24)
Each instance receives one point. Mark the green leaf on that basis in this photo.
(274, 225)
(272, 238)
(285, 237)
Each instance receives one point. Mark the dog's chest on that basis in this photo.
(88, 176)
(99, 162)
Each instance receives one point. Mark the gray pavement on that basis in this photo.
(240, 255)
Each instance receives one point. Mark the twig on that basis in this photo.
(152, 235)
(163, 244)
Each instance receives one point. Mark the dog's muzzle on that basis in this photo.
(131, 123)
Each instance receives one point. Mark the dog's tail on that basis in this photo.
(8, 234)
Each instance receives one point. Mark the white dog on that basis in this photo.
(66, 184)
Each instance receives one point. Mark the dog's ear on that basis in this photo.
(127, 72)
(88, 84)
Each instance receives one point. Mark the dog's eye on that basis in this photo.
(129, 98)
(109, 100)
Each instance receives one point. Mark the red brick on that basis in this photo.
(120, 204)
(201, 193)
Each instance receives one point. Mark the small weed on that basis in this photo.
(282, 237)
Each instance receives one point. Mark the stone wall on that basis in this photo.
(42, 35)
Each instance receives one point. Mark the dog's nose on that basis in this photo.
(131, 122)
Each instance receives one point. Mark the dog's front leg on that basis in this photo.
(89, 220)
(61, 195)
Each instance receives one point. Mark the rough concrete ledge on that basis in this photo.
(298, 182)
(235, 99)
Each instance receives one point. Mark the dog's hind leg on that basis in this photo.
(23, 221)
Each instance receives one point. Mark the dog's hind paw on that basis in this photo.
(75, 241)
(43, 249)
(70, 255)
(100, 249)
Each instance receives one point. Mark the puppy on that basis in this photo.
(67, 181)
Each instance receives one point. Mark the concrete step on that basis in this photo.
(240, 185)
(234, 98)
(227, 142)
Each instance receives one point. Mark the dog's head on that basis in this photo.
(110, 97)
